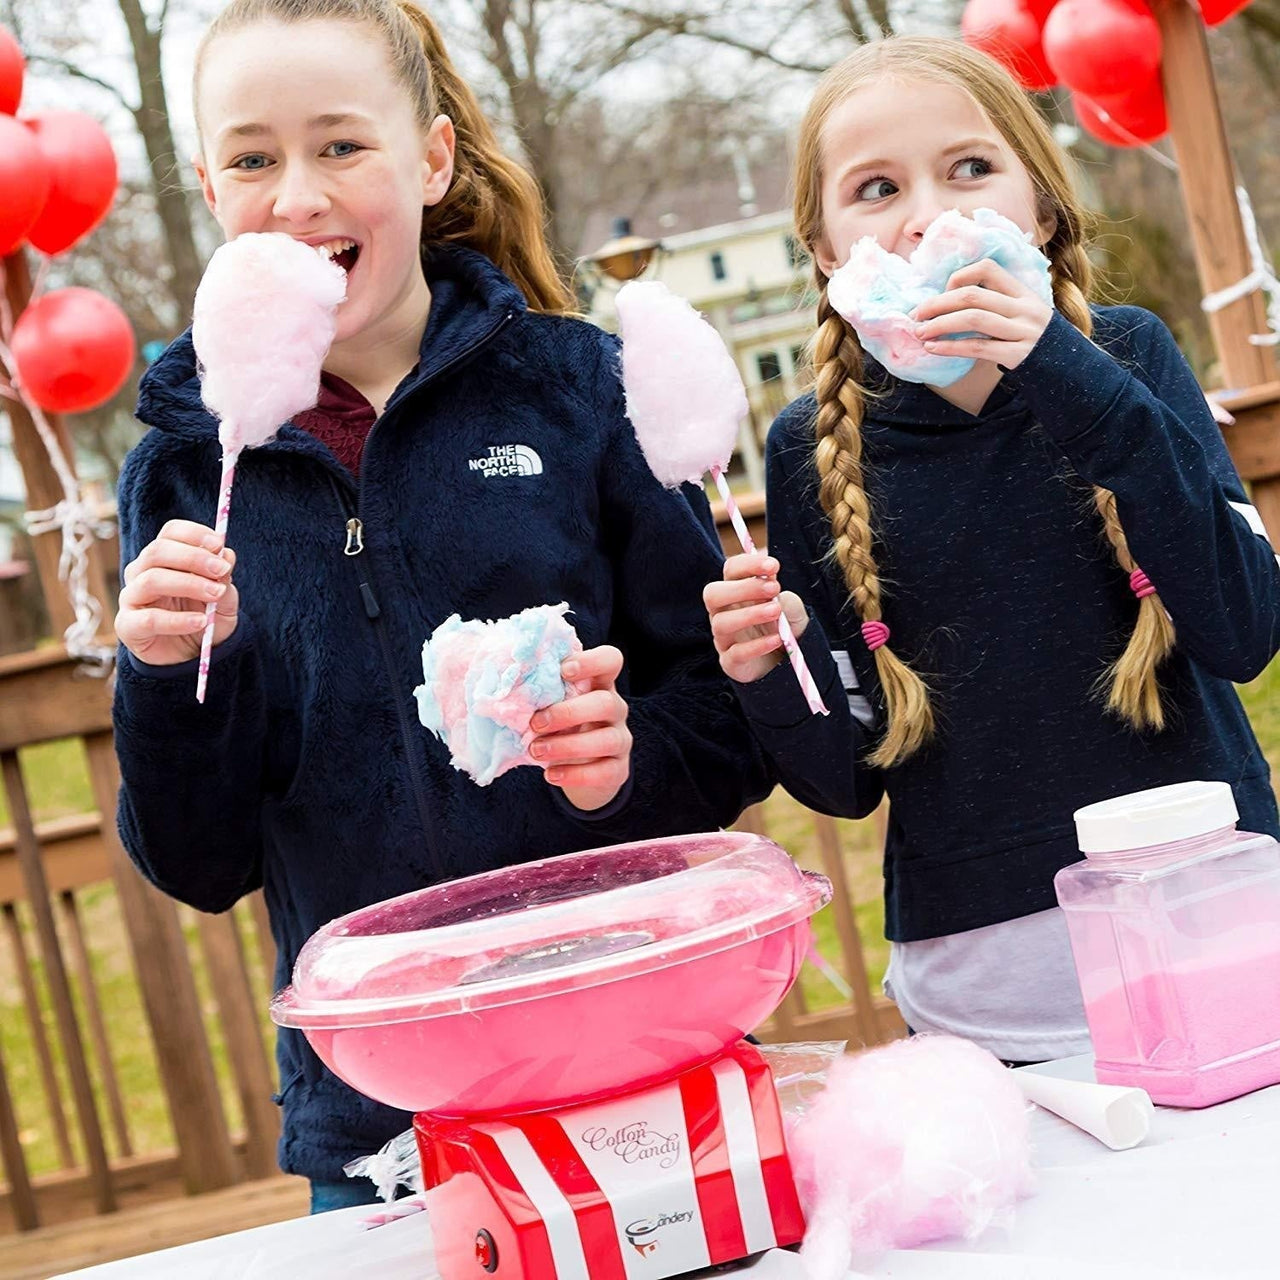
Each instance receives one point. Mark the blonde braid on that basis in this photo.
(837, 362)
(1134, 690)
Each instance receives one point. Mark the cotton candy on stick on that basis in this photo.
(685, 399)
(264, 319)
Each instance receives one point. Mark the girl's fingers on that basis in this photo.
(746, 651)
(589, 785)
(170, 553)
(746, 591)
(988, 323)
(600, 666)
(192, 532)
(602, 706)
(969, 298)
(756, 565)
(733, 624)
(140, 625)
(170, 584)
(599, 742)
(990, 275)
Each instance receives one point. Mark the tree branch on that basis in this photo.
(689, 24)
(70, 68)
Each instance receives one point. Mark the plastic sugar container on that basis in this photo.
(553, 982)
(1174, 918)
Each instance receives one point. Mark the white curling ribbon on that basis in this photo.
(1261, 277)
(1118, 1117)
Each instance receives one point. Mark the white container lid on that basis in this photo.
(1161, 815)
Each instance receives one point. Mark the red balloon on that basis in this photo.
(11, 68)
(73, 350)
(1102, 48)
(1128, 121)
(24, 183)
(82, 166)
(1009, 32)
(1216, 12)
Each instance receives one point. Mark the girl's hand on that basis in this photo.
(744, 612)
(985, 299)
(583, 743)
(166, 589)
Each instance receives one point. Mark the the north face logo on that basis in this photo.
(508, 460)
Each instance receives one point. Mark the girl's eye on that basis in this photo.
(341, 150)
(251, 162)
(973, 167)
(875, 189)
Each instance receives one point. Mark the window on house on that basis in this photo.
(769, 366)
(718, 269)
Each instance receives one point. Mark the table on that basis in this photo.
(1199, 1200)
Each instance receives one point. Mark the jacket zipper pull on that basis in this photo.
(355, 538)
(370, 604)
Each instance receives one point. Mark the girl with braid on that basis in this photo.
(1022, 593)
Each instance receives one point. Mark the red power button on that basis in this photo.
(486, 1250)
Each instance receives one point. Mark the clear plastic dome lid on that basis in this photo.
(540, 928)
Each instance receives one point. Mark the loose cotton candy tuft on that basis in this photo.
(877, 292)
(922, 1139)
(685, 396)
(483, 681)
(264, 320)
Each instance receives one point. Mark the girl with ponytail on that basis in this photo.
(469, 454)
(1027, 591)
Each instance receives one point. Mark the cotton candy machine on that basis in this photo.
(570, 1033)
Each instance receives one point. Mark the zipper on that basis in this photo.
(354, 550)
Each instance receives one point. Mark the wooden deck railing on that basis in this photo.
(64, 879)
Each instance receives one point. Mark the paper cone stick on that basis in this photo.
(1119, 1118)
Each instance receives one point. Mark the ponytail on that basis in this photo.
(493, 204)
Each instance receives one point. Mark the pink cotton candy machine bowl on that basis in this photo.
(555, 982)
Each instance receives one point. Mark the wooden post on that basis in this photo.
(39, 478)
(1208, 181)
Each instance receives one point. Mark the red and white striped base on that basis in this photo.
(637, 1187)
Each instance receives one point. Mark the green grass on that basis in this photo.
(57, 785)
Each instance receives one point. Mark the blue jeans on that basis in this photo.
(342, 1195)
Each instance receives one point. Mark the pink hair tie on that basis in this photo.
(1140, 584)
(875, 634)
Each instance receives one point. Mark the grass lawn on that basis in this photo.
(58, 785)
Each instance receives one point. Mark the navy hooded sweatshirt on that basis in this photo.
(1000, 588)
(502, 474)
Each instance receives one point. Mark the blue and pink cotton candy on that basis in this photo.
(918, 1140)
(877, 292)
(483, 681)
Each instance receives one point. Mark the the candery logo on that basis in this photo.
(507, 460)
(641, 1233)
(634, 1142)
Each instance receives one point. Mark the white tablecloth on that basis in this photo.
(1199, 1200)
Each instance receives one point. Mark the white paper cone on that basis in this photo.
(1117, 1116)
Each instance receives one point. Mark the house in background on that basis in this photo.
(746, 274)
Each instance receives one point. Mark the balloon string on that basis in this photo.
(80, 524)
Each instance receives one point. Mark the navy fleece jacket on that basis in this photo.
(502, 474)
(1000, 588)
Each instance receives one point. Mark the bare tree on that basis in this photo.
(70, 52)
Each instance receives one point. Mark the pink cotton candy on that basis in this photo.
(922, 1139)
(685, 396)
(265, 315)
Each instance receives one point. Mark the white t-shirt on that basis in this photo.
(1010, 987)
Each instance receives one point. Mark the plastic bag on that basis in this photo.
(800, 1072)
(396, 1165)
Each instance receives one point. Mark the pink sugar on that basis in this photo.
(1193, 1036)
